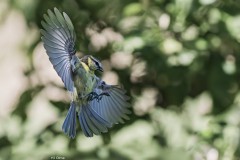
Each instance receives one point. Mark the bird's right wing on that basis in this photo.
(91, 122)
(59, 38)
(114, 106)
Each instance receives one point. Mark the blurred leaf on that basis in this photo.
(132, 9)
(62, 106)
(4, 142)
(24, 100)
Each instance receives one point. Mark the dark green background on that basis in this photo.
(183, 77)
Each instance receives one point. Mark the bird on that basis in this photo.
(97, 105)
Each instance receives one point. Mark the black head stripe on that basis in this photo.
(96, 61)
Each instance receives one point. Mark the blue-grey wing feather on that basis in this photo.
(84, 126)
(59, 39)
(91, 122)
(113, 108)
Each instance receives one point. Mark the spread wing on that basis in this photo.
(59, 38)
(114, 106)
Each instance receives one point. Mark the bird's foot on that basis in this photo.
(91, 96)
(99, 97)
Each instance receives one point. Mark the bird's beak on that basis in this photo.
(100, 69)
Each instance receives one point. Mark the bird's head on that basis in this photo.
(93, 63)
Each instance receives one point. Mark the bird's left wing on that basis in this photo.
(113, 105)
(59, 39)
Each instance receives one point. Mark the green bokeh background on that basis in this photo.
(179, 60)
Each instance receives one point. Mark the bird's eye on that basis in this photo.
(97, 64)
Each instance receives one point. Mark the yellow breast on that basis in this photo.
(86, 68)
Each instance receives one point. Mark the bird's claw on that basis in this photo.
(101, 95)
(91, 96)
(98, 97)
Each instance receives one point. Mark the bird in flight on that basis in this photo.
(97, 105)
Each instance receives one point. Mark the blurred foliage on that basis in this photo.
(180, 62)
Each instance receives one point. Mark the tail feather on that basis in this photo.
(87, 132)
(69, 124)
(91, 122)
(92, 126)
